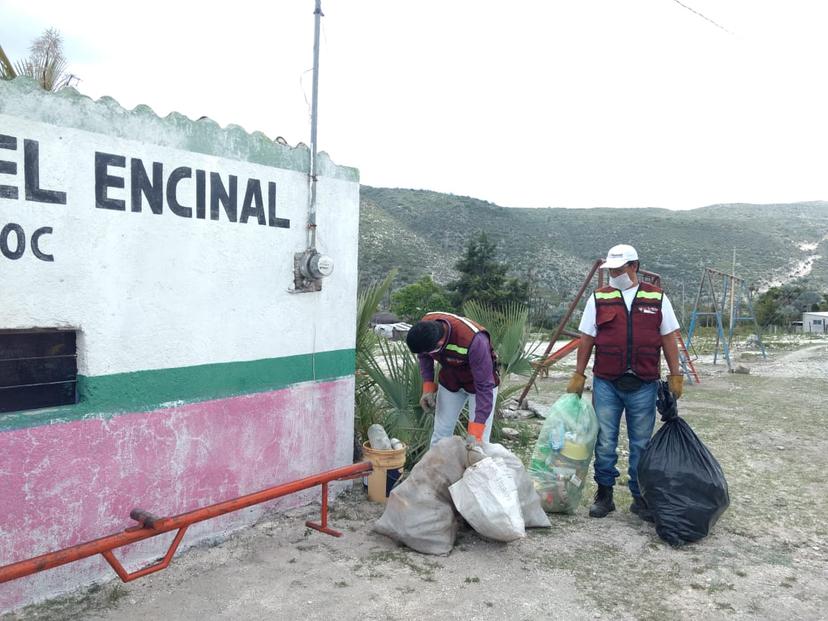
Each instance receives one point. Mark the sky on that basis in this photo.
(544, 103)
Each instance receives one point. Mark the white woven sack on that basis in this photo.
(487, 498)
(530, 503)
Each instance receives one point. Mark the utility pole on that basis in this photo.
(310, 266)
(733, 292)
(317, 13)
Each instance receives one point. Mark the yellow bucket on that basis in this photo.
(383, 461)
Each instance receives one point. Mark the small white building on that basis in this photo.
(815, 322)
(394, 331)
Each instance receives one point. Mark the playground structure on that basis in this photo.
(737, 294)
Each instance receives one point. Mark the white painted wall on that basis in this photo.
(151, 292)
(815, 322)
(179, 291)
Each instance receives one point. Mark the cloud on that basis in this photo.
(526, 103)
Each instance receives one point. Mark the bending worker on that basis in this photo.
(629, 323)
(468, 372)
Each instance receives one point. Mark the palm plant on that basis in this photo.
(7, 71)
(395, 373)
(369, 409)
(46, 63)
(509, 329)
(388, 384)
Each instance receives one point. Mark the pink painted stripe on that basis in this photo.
(68, 483)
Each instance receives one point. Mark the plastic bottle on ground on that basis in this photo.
(378, 439)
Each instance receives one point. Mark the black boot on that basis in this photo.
(603, 503)
(640, 508)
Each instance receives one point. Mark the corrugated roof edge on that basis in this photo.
(22, 97)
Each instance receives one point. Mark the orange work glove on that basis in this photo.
(475, 430)
(428, 401)
(676, 384)
(576, 384)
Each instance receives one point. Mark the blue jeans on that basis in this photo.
(640, 408)
(450, 405)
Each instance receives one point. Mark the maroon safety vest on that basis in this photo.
(628, 340)
(455, 372)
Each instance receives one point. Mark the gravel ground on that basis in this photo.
(767, 558)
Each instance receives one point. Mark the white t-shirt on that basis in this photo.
(669, 323)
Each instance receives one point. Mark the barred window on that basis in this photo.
(38, 368)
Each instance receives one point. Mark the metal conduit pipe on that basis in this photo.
(152, 526)
(317, 15)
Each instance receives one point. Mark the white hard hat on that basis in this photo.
(619, 255)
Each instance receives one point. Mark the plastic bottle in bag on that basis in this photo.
(560, 462)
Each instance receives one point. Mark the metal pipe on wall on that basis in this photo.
(314, 121)
(152, 526)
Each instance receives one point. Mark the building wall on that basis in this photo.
(815, 322)
(201, 377)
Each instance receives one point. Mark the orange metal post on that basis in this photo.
(563, 352)
(151, 526)
(561, 326)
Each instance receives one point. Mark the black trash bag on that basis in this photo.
(680, 480)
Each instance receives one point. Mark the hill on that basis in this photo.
(423, 232)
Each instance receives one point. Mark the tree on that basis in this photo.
(808, 301)
(766, 306)
(45, 63)
(483, 278)
(415, 300)
(783, 304)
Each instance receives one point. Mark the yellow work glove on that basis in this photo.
(428, 401)
(576, 383)
(676, 385)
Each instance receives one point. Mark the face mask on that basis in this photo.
(622, 281)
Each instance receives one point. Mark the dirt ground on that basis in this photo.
(767, 558)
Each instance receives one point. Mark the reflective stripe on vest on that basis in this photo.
(468, 323)
(455, 371)
(607, 295)
(649, 295)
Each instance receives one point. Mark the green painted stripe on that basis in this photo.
(105, 396)
(607, 296)
(650, 295)
(457, 348)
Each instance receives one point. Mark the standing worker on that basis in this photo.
(468, 372)
(629, 323)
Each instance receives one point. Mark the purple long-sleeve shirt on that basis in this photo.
(482, 370)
